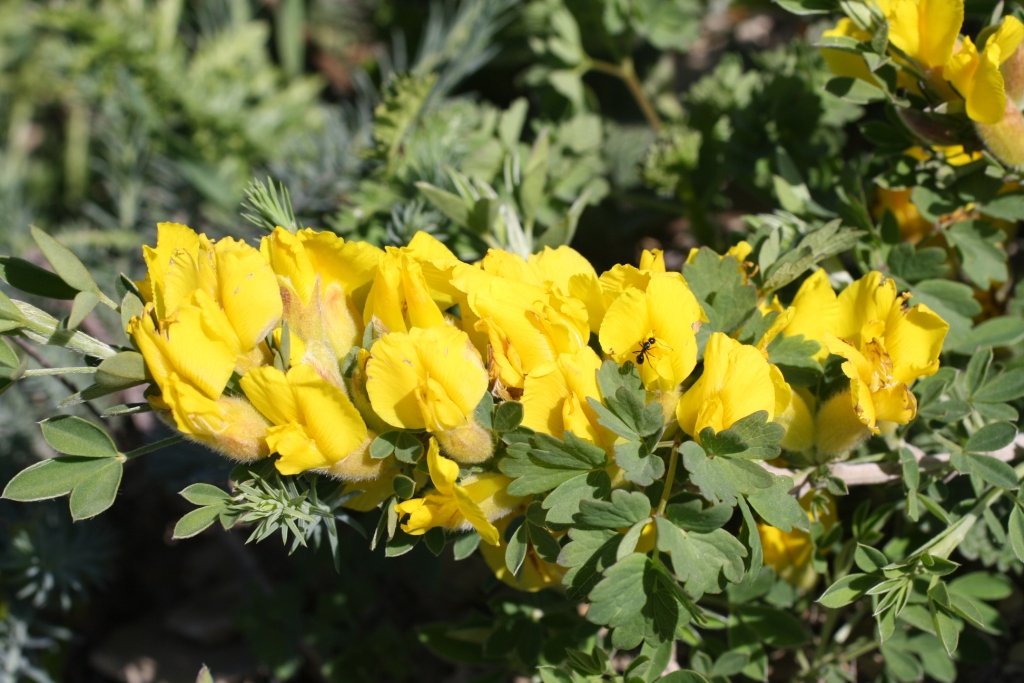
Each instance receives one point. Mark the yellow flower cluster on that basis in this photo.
(926, 35)
(310, 347)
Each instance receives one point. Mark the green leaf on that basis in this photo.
(563, 503)
(383, 445)
(454, 207)
(74, 436)
(82, 307)
(205, 494)
(620, 595)
(995, 472)
(777, 507)
(96, 492)
(32, 279)
(121, 371)
(515, 551)
(869, 559)
(692, 516)
(204, 676)
(773, 626)
(1007, 386)
(404, 487)
(1015, 531)
(699, 560)
(1002, 331)
(721, 289)
(508, 416)
(465, 545)
(983, 586)
(408, 448)
(991, 437)
(639, 465)
(847, 589)
(753, 438)
(572, 453)
(722, 479)
(945, 627)
(587, 554)
(196, 521)
(794, 352)
(625, 509)
(611, 377)
(683, 676)
(51, 478)
(65, 264)
(531, 189)
(854, 90)
(982, 258)
(914, 265)
(752, 539)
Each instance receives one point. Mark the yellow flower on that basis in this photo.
(845, 63)
(886, 346)
(315, 425)
(323, 280)
(737, 381)
(790, 553)
(535, 575)
(400, 297)
(474, 504)
(431, 378)
(599, 293)
(976, 76)
(526, 325)
(191, 365)
(555, 398)
(913, 226)
(667, 312)
(186, 346)
(924, 30)
(229, 280)
(814, 310)
(231, 426)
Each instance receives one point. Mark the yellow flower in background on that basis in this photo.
(555, 398)
(913, 226)
(479, 500)
(845, 63)
(737, 381)
(886, 346)
(926, 31)
(976, 76)
(666, 312)
(315, 425)
(431, 378)
(789, 553)
(400, 297)
(535, 575)
(526, 326)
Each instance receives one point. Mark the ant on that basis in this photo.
(645, 348)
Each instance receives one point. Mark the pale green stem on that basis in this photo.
(43, 328)
(58, 371)
(155, 446)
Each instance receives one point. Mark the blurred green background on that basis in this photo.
(117, 114)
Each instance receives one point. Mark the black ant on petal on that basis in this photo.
(645, 348)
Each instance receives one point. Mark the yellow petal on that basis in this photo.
(1007, 37)
(914, 341)
(870, 298)
(986, 99)
(653, 260)
(431, 511)
(231, 426)
(297, 449)
(186, 347)
(170, 237)
(817, 310)
(471, 512)
(443, 472)
(402, 364)
(328, 415)
(557, 267)
(270, 392)
(287, 257)
(248, 291)
(351, 265)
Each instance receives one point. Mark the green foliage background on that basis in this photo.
(617, 125)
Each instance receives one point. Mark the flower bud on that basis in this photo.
(468, 444)
(1006, 138)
